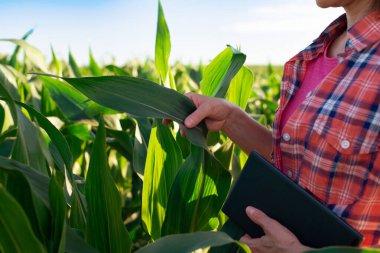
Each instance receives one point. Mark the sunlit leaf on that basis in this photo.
(240, 87)
(163, 45)
(33, 54)
(55, 62)
(13, 59)
(94, 67)
(74, 66)
(163, 160)
(219, 73)
(197, 194)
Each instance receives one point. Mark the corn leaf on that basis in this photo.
(219, 73)
(76, 244)
(13, 60)
(34, 192)
(122, 143)
(55, 135)
(141, 98)
(16, 234)
(240, 87)
(187, 243)
(235, 232)
(105, 229)
(33, 54)
(74, 66)
(36, 181)
(140, 146)
(55, 62)
(58, 211)
(73, 104)
(77, 211)
(117, 70)
(94, 67)
(197, 194)
(163, 160)
(163, 45)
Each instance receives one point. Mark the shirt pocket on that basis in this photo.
(341, 165)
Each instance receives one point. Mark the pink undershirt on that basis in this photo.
(316, 71)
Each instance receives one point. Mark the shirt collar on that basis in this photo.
(361, 35)
(366, 32)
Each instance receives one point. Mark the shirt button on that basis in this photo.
(290, 173)
(345, 144)
(286, 137)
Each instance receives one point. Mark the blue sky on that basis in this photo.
(267, 31)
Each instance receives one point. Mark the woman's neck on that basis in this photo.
(356, 10)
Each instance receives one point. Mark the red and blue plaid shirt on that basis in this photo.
(330, 145)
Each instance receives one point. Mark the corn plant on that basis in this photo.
(86, 164)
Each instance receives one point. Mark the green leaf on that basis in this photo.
(58, 211)
(344, 250)
(94, 67)
(197, 195)
(141, 98)
(74, 66)
(163, 45)
(77, 211)
(187, 243)
(76, 244)
(80, 130)
(55, 135)
(122, 143)
(30, 148)
(73, 104)
(56, 63)
(16, 234)
(118, 71)
(219, 73)
(105, 229)
(163, 160)
(140, 146)
(235, 232)
(13, 60)
(38, 182)
(33, 54)
(240, 88)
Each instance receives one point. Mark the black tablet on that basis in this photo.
(263, 186)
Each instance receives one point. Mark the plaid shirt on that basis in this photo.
(330, 145)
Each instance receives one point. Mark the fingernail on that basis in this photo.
(250, 210)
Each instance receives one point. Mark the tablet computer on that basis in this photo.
(263, 186)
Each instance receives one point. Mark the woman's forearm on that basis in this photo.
(248, 134)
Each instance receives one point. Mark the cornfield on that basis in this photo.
(86, 164)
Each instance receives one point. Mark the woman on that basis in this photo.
(326, 131)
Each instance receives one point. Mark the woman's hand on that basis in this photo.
(219, 114)
(277, 238)
(216, 112)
